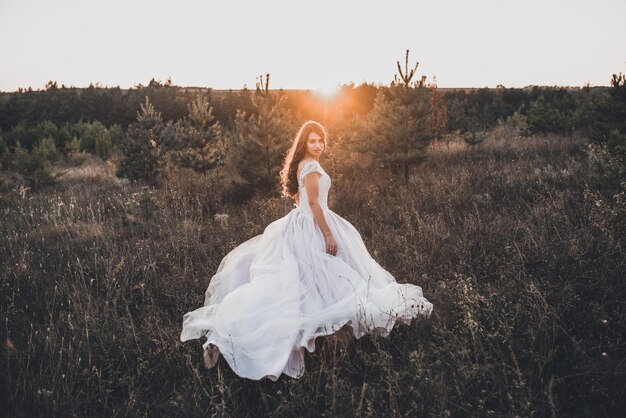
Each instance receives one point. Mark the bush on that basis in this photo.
(615, 141)
(46, 149)
(104, 147)
(117, 135)
(607, 195)
(73, 145)
(4, 153)
(90, 134)
(34, 166)
(544, 117)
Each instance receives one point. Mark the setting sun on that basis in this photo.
(327, 92)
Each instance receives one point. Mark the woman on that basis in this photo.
(307, 275)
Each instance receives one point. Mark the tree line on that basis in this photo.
(246, 133)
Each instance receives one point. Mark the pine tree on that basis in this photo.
(399, 123)
(142, 155)
(262, 139)
(439, 116)
(473, 138)
(198, 144)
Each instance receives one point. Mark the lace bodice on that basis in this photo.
(324, 185)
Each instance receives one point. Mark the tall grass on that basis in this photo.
(513, 242)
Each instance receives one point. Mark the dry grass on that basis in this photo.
(524, 267)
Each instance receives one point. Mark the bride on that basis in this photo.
(307, 275)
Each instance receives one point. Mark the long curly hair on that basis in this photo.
(288, 175)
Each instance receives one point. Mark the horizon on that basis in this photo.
(252, 89)
(226, 46)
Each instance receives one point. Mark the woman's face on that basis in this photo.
(314, 145)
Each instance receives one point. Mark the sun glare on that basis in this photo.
(328, 91)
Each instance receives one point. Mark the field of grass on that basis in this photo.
(519, 244)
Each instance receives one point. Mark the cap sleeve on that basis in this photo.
(308, 168)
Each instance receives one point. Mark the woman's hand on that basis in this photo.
(331, 244)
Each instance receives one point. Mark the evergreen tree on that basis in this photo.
(46, 149)
(34, 167)
(4, 152)
(262, 139)
(116, 133)
(439, 116)
(90, 133)
(198, 143)
(142, 157)
(104, 147)
(544, 116)
(616, 113)
(399, 124)
(473, 138)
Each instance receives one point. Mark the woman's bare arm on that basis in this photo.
(311, 184)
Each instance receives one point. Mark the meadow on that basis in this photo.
(518, 243)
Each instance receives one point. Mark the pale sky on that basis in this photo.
(310, 45)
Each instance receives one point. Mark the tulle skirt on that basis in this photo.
(275, 293)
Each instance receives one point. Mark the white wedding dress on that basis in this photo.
(275, 293)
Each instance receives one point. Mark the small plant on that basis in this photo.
(473, 138)
(73, 145)
(104, 147)
(33, 166)
(148, 204)
(90, 134)
(46, 149)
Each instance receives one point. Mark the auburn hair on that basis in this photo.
(288, 175)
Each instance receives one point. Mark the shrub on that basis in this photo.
(90, 134)
(73, 145)
(117, 135)
(515, 126)
(4, 153)
(544, 117)
(104, 147)
(46, 148)
(34, 166)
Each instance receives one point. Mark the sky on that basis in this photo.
(315, 45)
